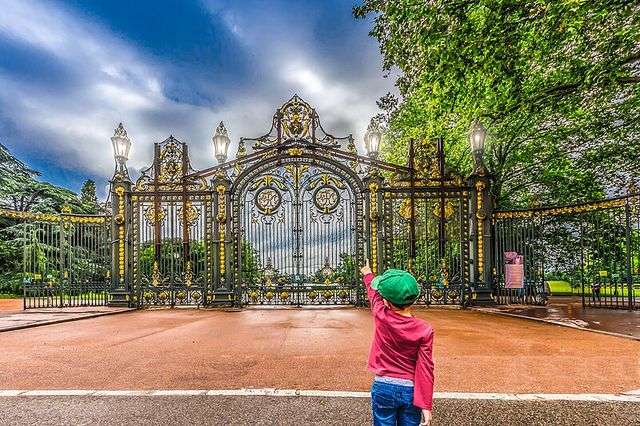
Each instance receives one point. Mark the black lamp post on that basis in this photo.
(482, 207)
(120, 219)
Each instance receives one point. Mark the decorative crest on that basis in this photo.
(296, 118)
(221, 129)
(296, 121)
(120, 131)
(374, 126)
(171, 164)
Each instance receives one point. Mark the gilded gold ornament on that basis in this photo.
(295, 152)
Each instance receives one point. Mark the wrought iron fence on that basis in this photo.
(594, 247)
(287, 222)
(66, 259)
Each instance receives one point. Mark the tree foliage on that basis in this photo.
(21, 190)
(88, 197)
(556, 82)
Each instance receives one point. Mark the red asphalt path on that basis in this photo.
(307, 349)
(10, 305)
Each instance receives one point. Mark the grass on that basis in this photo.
(563, 288)
(10, 296)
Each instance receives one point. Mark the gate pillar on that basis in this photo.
(373, 183)
(223, 254)
(120, 231)
(481, 238)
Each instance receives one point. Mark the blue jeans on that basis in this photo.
(392, 404)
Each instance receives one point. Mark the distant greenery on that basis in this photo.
(251, 265)
(556, 82)
(344, 273)
(21, 190)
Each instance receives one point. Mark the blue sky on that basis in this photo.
(71, 70)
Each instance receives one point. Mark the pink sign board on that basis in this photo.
(513, 270)
(514, 275)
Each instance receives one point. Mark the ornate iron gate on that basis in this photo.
(298, 215)
(172, 239)
(426, 230)
(287, 222)
(298, 226)
(440, 234)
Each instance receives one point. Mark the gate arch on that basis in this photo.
(298, 230)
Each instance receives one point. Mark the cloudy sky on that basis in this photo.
(71, 70)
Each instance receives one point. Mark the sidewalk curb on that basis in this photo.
(554, 322)
(59, 321)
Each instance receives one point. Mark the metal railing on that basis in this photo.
(593, 247)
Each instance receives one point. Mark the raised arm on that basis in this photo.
(423, 380)
(375, 300)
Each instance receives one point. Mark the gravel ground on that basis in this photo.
(14, 320)
(297, 411)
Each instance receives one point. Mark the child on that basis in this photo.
(401, 351)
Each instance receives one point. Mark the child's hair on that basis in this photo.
(404, 305)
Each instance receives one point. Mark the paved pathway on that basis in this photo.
(16, 320)
(10, 305)
(307, 349)
(263, 410)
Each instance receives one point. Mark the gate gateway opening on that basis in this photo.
(289, 221)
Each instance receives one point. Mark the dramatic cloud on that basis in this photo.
(70, 71)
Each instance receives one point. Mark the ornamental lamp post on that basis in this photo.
(373, 138)
(482, 204)
(220, 143)
(120, 220)
(121, 146)
(477, 136)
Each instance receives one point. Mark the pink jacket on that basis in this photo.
(402, 347)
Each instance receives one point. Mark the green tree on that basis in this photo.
(21, 190)
(251, 265)
(16, 182)
(88, 197)
(554, 81)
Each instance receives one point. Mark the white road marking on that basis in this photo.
(178, 392)
(122, 393)
(631, 396)
(10, 392)
(57, 392)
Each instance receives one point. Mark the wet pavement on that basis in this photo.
(15, 320)
(569, 311)
(308, 349)
(177, 410)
